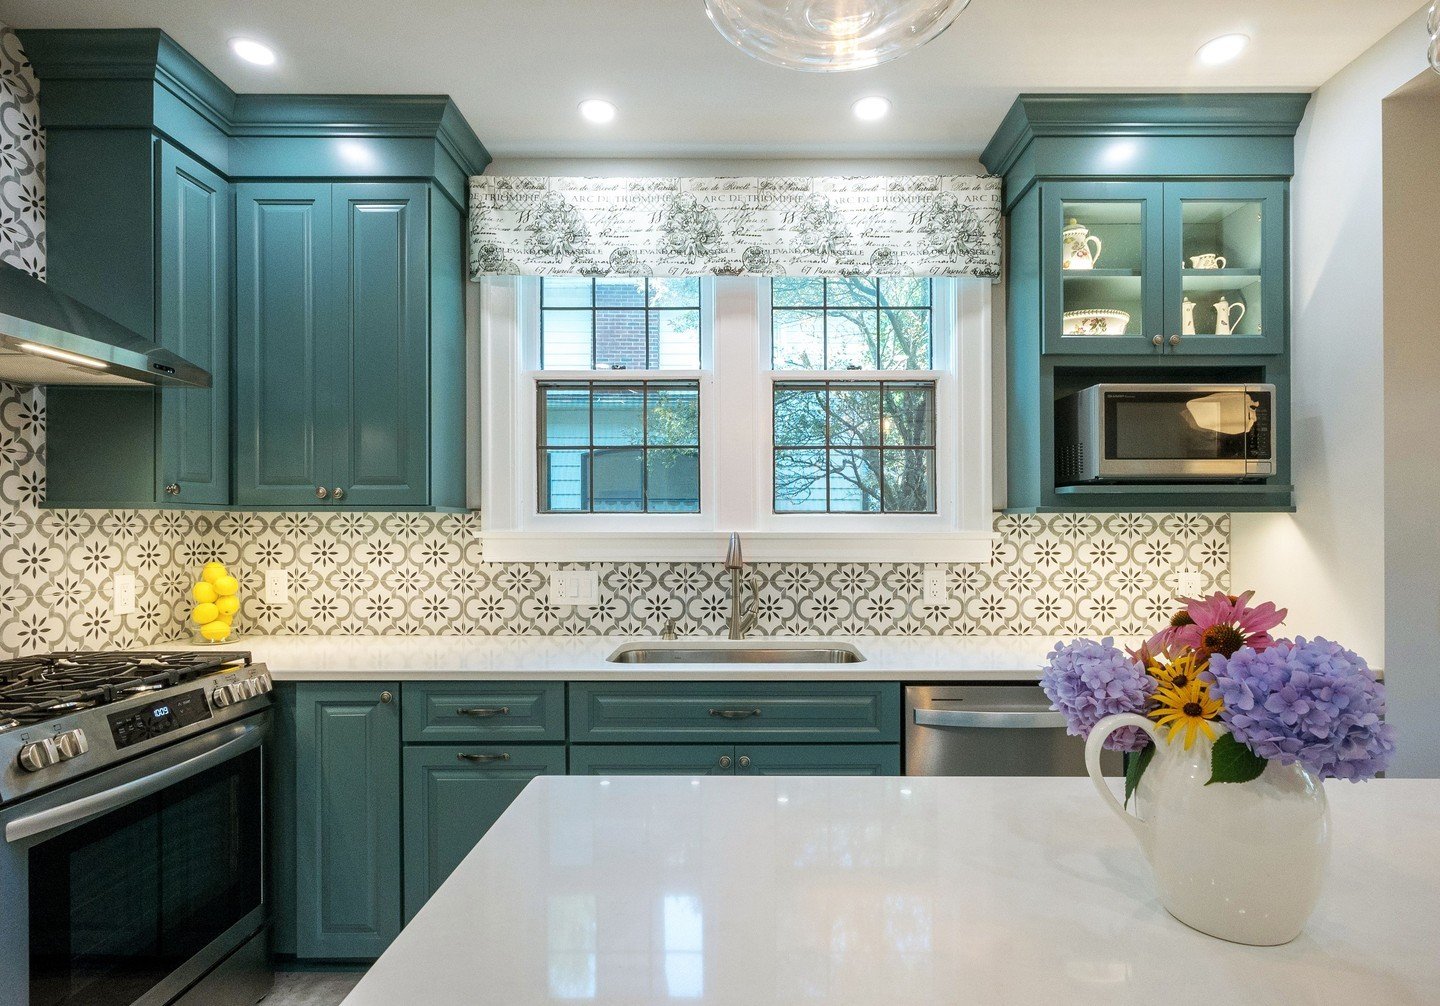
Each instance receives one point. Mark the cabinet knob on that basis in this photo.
(1159, 340)
(172, 489)
(386, 696)
(339, 493)
(744, 761)
(1174, 340)
(724, 761)
(321, 492)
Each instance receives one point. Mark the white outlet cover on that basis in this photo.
(934, 585)
(123, 590)
(579, 588)
(1186, 582)
(277, 586)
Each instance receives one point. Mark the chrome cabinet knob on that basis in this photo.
(386, 696)
(321, 492)
(172, 488)
(338, 493)
(1174, 340)
(744, 761)
(724, 761)
(1158, 340)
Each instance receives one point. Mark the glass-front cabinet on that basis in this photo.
(1161, 269)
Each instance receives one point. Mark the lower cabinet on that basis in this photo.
(452, 795)
(735, 759)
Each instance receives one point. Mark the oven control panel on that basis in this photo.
(158, 717)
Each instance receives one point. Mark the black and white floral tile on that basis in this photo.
(424, 574)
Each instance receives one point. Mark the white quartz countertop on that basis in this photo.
(582, 658)
(749, 891)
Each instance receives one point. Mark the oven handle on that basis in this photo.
(87, 808)
(1038, 720)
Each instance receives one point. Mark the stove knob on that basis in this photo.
(221, 697)
(41, 754)
(71, 743)
(263, 682)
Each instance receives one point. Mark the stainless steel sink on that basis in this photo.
(737, 652)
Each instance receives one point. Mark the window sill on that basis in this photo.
(709, 546)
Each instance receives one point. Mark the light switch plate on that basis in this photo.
(277, 586)
(123, 591)
(579, 588)
(1186, 582)
(934, 585)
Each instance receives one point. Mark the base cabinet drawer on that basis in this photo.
(453, 794)
(735, 759)
(652, 759)
(457, 712)
(731, 711)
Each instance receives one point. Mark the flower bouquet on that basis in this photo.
(1214, 698)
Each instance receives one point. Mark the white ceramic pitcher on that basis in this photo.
(1224, 323)
(1076, 241)
(1240, 861)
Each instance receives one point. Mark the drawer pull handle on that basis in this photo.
(734, 714)
(485, 711)
(482, 758)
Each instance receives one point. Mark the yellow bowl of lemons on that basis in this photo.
(217, 598)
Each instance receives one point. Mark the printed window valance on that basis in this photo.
(917, 225)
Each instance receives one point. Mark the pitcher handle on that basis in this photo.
(1219, 261)
(1095, 743)
(1095, 255)
(1236, 323)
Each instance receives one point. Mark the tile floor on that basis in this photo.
(311, 988)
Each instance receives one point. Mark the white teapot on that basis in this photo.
(1075, 241)
(1224, 323)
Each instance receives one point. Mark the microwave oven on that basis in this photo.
(1165, 433)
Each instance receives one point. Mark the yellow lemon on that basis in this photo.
(226, 585)
(203, 592)
(212, 571)
(215, 631)
(226, 617)
(204, 613)
(228, 605)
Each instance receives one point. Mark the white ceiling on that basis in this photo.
(517, 68)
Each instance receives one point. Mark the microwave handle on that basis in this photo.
(87, 808)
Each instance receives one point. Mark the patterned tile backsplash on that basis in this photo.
(423, 573)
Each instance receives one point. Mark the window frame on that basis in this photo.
(736, 438)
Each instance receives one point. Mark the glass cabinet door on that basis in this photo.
(1225, 267)
(1101, 249)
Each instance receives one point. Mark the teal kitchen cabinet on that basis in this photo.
(332, 368)
(652, 759)
(735, 759)
(347, 819)
(453, 794)
(464, 712)
(1147, 242)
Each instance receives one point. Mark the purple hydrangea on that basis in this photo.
(1313, 702)
(1088, 681)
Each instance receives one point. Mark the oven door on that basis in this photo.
(141, 879)
(1187, 432)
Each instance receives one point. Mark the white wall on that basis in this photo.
(1412, 420)
(1327, 562)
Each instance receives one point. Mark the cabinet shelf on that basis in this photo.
(1070, 274)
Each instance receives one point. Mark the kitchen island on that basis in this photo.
(889, 890)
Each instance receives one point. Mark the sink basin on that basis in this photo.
(734, 652)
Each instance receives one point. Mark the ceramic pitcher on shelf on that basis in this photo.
(1076, 240)
(1240, 861)
(1187, 317)
(1224, 323)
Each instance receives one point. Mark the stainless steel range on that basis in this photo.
(131, 804)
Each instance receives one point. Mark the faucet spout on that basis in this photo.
(740, 622)
(734, 558)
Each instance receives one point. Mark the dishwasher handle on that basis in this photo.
(991, 719)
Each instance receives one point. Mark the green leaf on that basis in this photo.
(1135, 768)
(1232, 761)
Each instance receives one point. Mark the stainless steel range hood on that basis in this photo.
(49, 338)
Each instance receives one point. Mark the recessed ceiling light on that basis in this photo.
(598, 109)
(871, 108)
(252, 51)
(1223, 49)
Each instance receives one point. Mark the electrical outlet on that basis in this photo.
(122, 588)
(934, 585)
(277, 586)
(579, 588)
(1186, 582)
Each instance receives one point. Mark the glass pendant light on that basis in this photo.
(828, 36)
(1433, 24)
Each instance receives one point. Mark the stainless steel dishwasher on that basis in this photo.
(991, 728)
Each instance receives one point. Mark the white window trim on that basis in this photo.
(735, 350)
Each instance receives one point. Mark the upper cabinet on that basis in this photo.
(306, 250)
(1147, 242)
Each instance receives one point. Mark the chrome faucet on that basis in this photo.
(740, 623)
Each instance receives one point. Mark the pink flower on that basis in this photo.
(1222, 624)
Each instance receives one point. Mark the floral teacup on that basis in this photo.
(1208, 262)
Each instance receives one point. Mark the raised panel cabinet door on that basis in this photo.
(652, 759)
(195, 251)
(281, 311)
(377, 369)
(453, 794)
(347, 796)
(817, 759)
